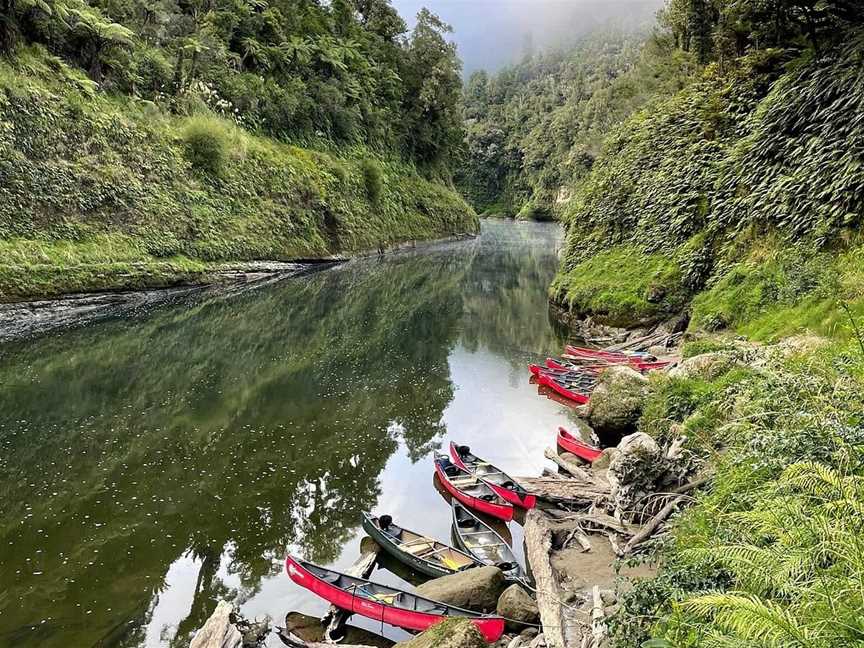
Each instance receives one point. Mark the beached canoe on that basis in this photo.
(577, 391)
(579, 448)
(471, 490)
(484, 543)
(499, 481)
(384, 603)
(425, 555)
(595, 366)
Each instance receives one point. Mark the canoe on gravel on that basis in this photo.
(425, 555)
(577, 447)
(383, 603)
(483, 542)
(471, 490)
(499, 481)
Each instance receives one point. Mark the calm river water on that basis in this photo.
(150, 466)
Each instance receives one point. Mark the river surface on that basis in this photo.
(152, 465)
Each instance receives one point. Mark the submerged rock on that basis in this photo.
(452, 633)
(616, 403)
(516, 604)
(475, 589)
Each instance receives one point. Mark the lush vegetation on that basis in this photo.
(747, 180)
(536, 127)
(772, 554)
(140, 144)
(730, 185)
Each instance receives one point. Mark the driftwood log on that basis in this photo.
(218, 631)
(577, 471)
(560, 627)
(565, 492)
(335, 619)
(647, 531)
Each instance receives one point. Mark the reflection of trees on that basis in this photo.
(505, 306)
(258, 423)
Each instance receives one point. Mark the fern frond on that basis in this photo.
(750, 619)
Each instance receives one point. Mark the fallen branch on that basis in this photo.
(696, 483)
(598, 520)
(598, 625)
(577, 471)
(651, 527)
(579, 536)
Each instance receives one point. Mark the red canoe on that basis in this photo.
(644, 367)
(615, 356)
(577, 394)
(499, 481)
(383, 603)
(537, 370)
(579, 448)
(471, 491)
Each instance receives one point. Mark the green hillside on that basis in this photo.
(140, 145)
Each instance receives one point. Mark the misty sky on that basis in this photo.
(492, 33)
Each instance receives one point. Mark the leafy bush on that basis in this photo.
(207, 141)
(373, 179)
(773, 549)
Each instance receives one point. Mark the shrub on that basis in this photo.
(207, 142)
(373, 178)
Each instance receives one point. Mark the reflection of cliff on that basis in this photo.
(505, 290)
(256, 423)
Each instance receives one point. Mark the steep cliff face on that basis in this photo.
(742, 195)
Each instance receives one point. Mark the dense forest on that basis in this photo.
(713, 165)
(145, 141)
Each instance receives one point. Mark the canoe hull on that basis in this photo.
(579, 448)
(499, 511)
(576, 397)
(491, 628)
(415, 563)
(526, 501)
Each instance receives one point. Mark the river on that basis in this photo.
(151, 465)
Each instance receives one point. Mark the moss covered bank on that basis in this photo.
(103, 192)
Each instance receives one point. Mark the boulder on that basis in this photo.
(516, 604)
(475, 589)
(602, 462)
(617, 401)
(705, 365)
(636, 469)
(658, 350)
(452, 633)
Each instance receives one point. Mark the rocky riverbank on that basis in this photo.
(590, 516)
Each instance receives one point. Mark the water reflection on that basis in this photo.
(149, 467)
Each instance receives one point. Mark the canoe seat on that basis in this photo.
(463, 481)
(419, 548)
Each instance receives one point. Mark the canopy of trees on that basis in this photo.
(344, 72)
(537, 126)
